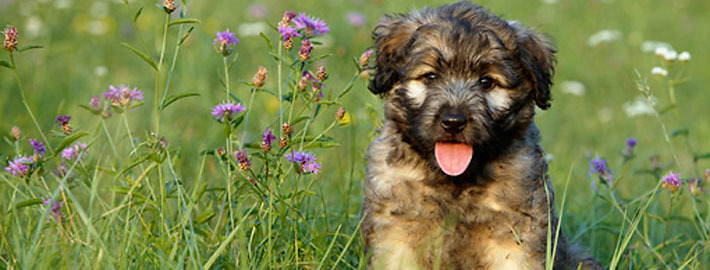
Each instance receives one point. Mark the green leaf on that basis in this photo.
(268, 41)
(184, 20)
(136, 105)
(89, 109)
(701, 156)
(205, 216)
(136, 162)
(300, 119)
(67, 141)
(174, 98)
(31, 47)
(680, 131)
(320, 57)
(238, 121)
(667, 108)
(184, 37)
(142, 55)
(138, 14)
(29, 202)
(5, 64)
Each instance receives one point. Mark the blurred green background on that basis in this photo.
(600, 47)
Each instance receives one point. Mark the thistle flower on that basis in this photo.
(671, 181)
(630, 144)
(15, 132)
(226, 40)
(259, 77)
(225, 110)
(365, 58)
(55, 207)
(19, 166)
(286, 20)
(340, 113)
(220, 151)
(288, 32)
(38, 148)
(355, 19)
(95, 103)
(287, 129)
(169, 6)
(306, 77)
(306, 161)
(684, 57)
(322, 75)
(122, 96)
(659, 71)
(304, 52)
(267, 139)
(313, 26)
(63, 121)
(10, 38)
(243, 159)
(598, 166)
(73, 152)
(283, 142)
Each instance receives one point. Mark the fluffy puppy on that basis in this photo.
(456, 178)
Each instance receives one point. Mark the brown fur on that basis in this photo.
(495, 215)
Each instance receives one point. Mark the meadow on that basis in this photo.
(167, 160)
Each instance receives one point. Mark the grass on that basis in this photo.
(131, 202)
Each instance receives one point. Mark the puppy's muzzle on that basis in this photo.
(453, 122)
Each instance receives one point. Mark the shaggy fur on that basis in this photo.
(459, 59)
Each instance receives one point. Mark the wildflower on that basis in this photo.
(670, 56)
(286, 129)
(169, 6)
(365, 58)
(226, 40)
(573, 88)
(19, 166)
(661, 51)
(10, 38)
(55, 207)
(267, 139)
(671, 181)
(15, 132)
(322, 75)
(340, 113)
(288, 33)
(259, 77)
(598, 166)
(159, 140)
(226, 110)
(355, 19)
(38, 147)
(283, 142)
(306, 77)
(63, 121)
(707, 175)
(306, 161)
(73, 152)
(684, 57)
(630, 144)
(243, 159)
(95, 103)
(122, 96)
(316, 91)
(694, 186)
(286, 20)
(305, 51)
(61, 171)
(659, 71)
(313, 26)
(603, 36)
(220, 151)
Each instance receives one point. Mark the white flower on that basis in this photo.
(573, 87)
(639, 106)
(651, 46)
(603, 36)
(684, 57)
(670, 56)
(661, 51)
(659, 71)
(252, 29)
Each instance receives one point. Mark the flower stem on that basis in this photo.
(157, 74)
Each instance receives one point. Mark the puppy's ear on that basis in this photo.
(537, 55)
(391, 36)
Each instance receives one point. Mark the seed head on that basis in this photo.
(340, 113)
(169, 6)
(242, 159)
(286, 20)
(10, 38)
(283, 142)
(304, 52)
(220, 151)
(15, 132)
(259, 77)
(286, 129)
(694, 186)
(322, 75)
(365, 58)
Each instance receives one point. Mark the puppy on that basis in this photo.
(456, 178)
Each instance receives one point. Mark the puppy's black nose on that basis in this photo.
(453, 122)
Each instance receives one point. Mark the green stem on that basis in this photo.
(157, 74)
(226, 78)
(246, 117)
(278, 80)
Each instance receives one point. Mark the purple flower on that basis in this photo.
(38, 147)
(72, 152)
(122, 96)
(243, 159)
(671, 181)
(19, 166)
(288, 32)
(306, 161)
(365, 58)
(226, 110)
(304, 52)
(598, 166)
(312, 25)
(355, 19)
(630, 144)
(63, 120)
(55, 207)
(226, 40)
(268, 136)
(61, 171)
(95, 103)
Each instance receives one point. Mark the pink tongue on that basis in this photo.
(453, 158)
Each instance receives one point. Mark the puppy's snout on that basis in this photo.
(453, 122)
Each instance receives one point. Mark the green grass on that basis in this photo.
(150, 208)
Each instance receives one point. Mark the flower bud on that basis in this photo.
(15, 131)
(340, 113)
(259, 77)
(365, 58)
(286, 129)
(11, 38)
(169, 6)
(283, 142)
(322, 75)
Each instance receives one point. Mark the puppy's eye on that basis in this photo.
(428, 76)
(486, 83)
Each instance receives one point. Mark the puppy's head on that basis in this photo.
(460, 83)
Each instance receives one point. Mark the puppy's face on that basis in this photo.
(460, 83)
